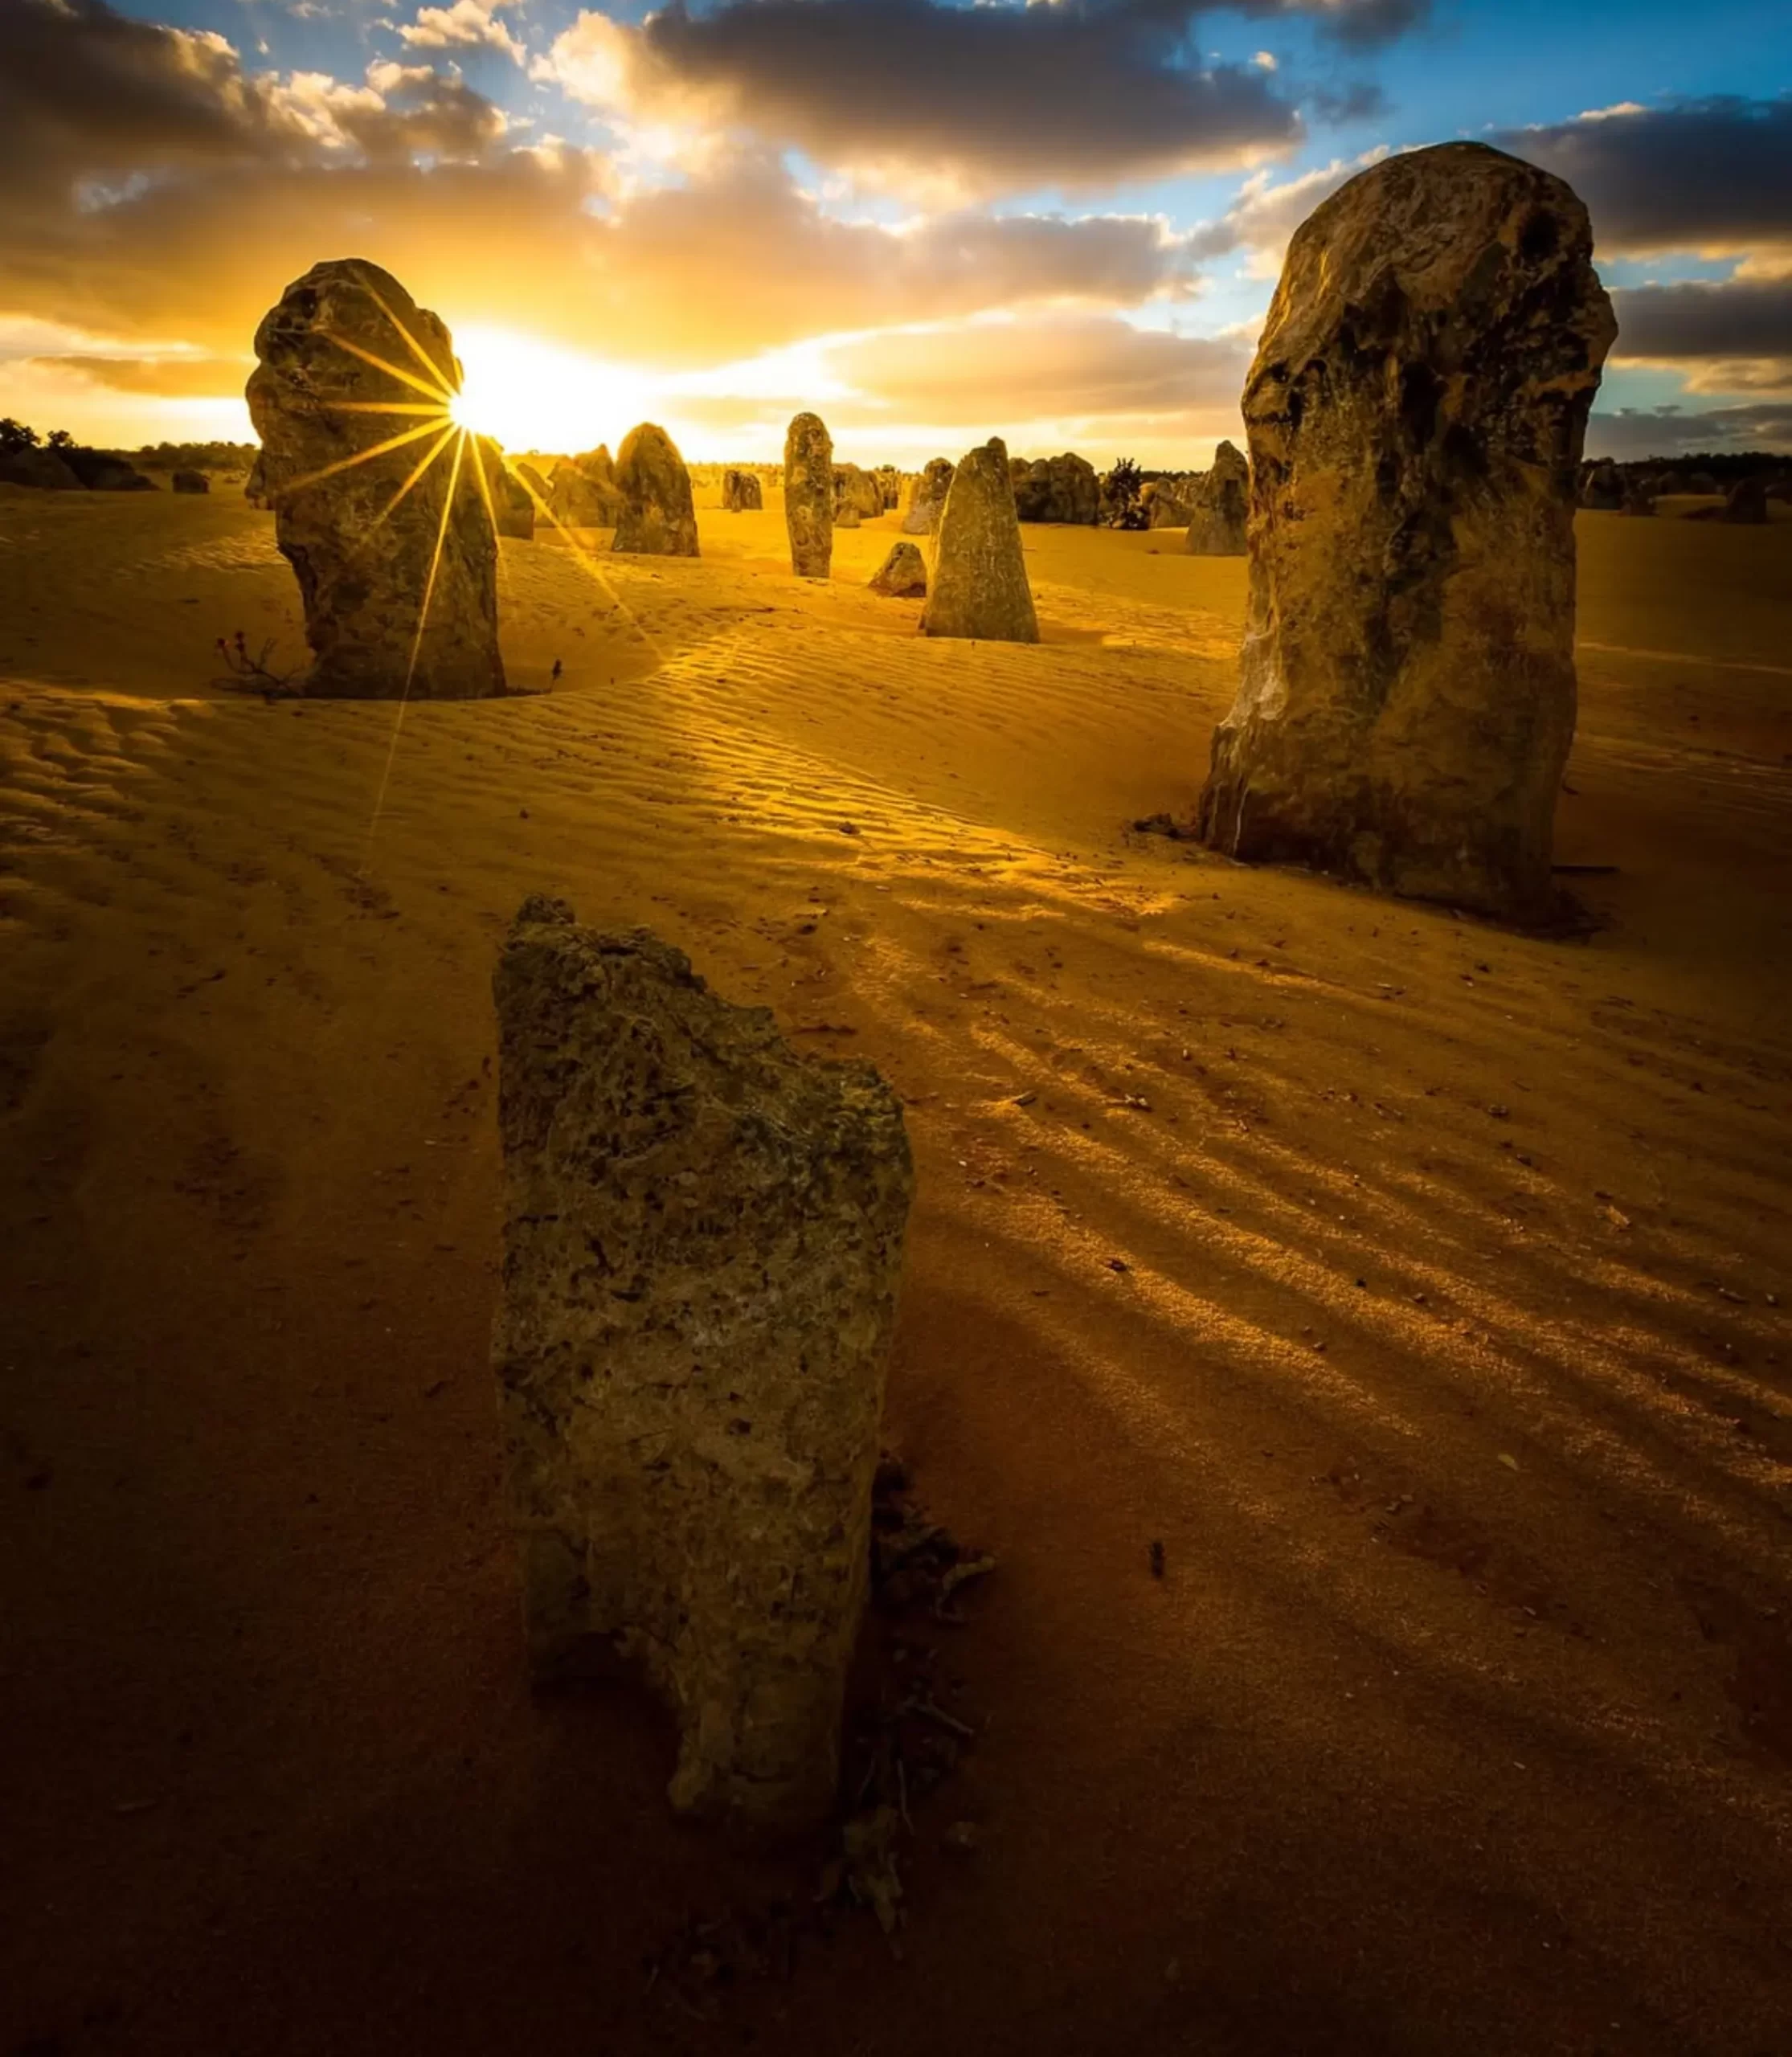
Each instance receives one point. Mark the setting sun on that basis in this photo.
(531, 396)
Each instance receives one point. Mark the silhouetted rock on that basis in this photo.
(703, 1236)
(741, 494)
(43, 470)
(512, 508)
(255, 486)
(100, 473)
(925, 498)
(1416, 411)
(979, 581)
(1220, 506)
(186, 481)
(1746, 501)
(1638, 499)
(902, 575)
(1700, 482)
(366, 551)
(809, 495)
(1602, 489)
(1057, 489)
(658, 516)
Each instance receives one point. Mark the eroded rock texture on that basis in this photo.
(1219, 508)
(367, 552)
(857, 491)
(1062, 488)
(809, 495)
(979, 580)
(925, 498)
(1163, 504)
(702, 1242)
(658, 517)
(902, 575)
(512, 508)
(741, 492)
(582, 492)
(1416, 410)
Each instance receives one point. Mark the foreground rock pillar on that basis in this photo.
(1221, 506)
(703, 1234)
(809, 495)
(979, 580)
(657, 516)
(367, 552)
(1416, 410)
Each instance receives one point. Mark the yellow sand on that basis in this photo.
(1423, 1288)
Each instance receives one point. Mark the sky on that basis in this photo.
(1061, 223)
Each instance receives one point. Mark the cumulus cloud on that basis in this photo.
(1268, 211)
(167, 195)
(1712, 175)
(909, 93)
(464, 25)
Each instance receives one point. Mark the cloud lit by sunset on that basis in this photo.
(620, 212)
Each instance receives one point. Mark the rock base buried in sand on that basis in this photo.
(367, 550)
(980, 577)
(658, 517)
(702, 1242)
(1416, 412)
(902, 575)
(809, 495)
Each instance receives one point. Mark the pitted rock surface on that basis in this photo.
(703, 1234)
(1416, 412)
(657, 517)
(1220, 506)
(902, 575)
(924, 497)
(809, 495)
(979, 584)
(363, 549)
(741, 492)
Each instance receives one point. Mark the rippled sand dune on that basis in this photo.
(1426, 1290)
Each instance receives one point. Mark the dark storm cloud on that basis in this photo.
(1669, 432)
(1075, 95)
(1734, 320)
(1705, 174)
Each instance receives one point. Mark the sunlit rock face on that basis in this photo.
(512, 508)
(809, 495)
(703, 1234)
(1220, 505)
(902, 575)
(369, 543)
(658, 516)
(857, 491)
(1416, 411)
(1062, 488)
(979, 580)
(741, 492)
(925, 497)
(1164, 505)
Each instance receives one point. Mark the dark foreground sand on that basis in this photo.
(1452, 1364)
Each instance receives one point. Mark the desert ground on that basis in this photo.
(1424, 1289)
